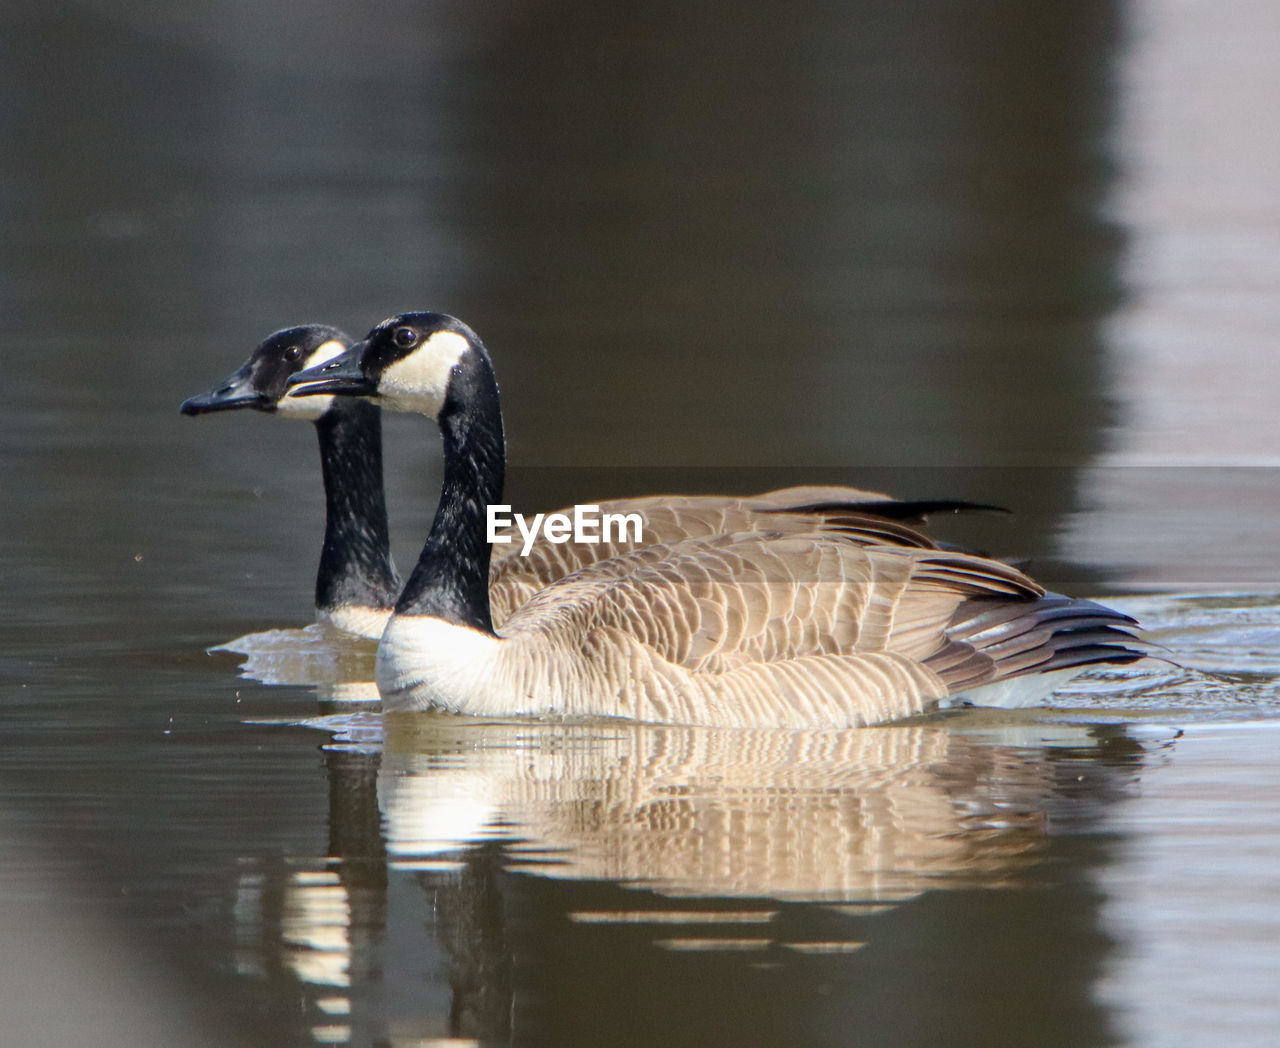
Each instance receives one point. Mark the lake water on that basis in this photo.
(1027, 257)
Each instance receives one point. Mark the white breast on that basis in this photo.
(426, 663)
(357, 619)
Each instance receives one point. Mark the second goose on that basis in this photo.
(356, 583)
(840, 622)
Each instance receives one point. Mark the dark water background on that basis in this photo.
(1017, 253)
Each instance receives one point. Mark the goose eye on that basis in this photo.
(293, 354)
(405, 337)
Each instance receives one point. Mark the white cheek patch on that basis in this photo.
(311, 408)
(306, 408)
(324, 353)
(418, 382)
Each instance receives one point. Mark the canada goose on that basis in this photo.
(834, 626)
(356, 583)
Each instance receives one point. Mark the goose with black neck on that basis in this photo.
(356, 582)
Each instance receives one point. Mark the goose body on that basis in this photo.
(824, 616)
(732, 632)
(356, 582)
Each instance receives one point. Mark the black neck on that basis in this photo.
(451, 579)
(355, 561)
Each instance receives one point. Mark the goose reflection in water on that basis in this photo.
(695, 840)
(870, 815)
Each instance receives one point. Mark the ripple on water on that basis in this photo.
(1219, 658)
(339, 664)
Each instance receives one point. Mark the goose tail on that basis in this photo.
(1016, 654)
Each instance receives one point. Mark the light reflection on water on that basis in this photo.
(1190, 897)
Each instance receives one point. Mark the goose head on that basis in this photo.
(416, 362)
(261, 383)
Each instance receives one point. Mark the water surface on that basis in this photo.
(1021, 257)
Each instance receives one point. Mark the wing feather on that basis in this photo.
(669, 519)
(713, 605)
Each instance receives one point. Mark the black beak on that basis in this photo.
(341, 375)
(236, 392)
